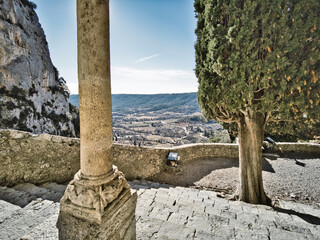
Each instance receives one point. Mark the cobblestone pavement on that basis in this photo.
(167, 212)
(163, 212)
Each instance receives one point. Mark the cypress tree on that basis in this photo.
(258, 61)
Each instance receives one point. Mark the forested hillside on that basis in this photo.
(179, 102)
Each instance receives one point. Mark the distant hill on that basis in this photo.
(177, 102)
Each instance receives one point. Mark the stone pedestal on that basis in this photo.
(116, 223)
(98, 208)
(98, 203)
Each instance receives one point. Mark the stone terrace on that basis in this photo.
(163, 212)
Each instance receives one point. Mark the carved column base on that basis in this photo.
(101, 208)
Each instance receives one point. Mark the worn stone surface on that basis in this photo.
(26, 157)
(98, 201)
(185, 218)
(32, 95)
(117, 221)
(218, 218)
(88, 198)
(25, 219)
(94, 87)
(6, 210)
(19, 198)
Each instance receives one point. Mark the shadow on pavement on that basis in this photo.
(306, 217)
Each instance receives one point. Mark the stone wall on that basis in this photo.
(26, 157)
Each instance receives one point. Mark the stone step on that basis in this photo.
(23, 220)
(6, 210)
(58, 188)
(42, 192)
(14, 196)
(46, 230)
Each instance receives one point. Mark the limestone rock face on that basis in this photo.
(32, 95)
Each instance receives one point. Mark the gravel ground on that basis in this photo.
(284, 178)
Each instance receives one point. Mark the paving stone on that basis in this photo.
(193, 207)
(207, 194)
(147, 227)
(140, 191)
(172, 213)
(214, 210)
(165, 200)
(200, 222)
(234, 207)
(160, 213)
(228, 214)
(206, 236)
(155, 185)
(178, 218)
(16, 197)
(46, 230)
(148, 194)
(163, 191)
(248, 217)
(250, 234)
(41, 192)
(145, 201)
(269, 216)
(208, 201)
(7, 209)
(279, 234)
(265, 223)
(224, 231)
(175, 231)
(58, 188)
(237, 223)
(294, 228)
(171, 205)
(25, 219)
(185, 211)
(217, 220)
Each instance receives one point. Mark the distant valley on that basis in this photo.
(179, 102)
(160, 120)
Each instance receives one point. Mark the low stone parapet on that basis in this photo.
(26, 157)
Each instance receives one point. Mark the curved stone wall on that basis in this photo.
(26, 157)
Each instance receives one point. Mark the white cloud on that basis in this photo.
(147, 58)
(153, 56)
(131, 80)
(137, 81)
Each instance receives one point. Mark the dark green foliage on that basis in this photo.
(24, 114)
(262, 56)
(56, 73)
(32, 90)
(9, 122)
(10, 105)
(17, 92)
(60, 89)
(3, 91)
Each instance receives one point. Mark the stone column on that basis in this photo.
(98, 203)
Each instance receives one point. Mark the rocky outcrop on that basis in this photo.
(32, 95)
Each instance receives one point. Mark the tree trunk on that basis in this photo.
(251, 134)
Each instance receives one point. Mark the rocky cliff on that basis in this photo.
(32, 95)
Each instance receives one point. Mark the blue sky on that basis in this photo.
(152, 44)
